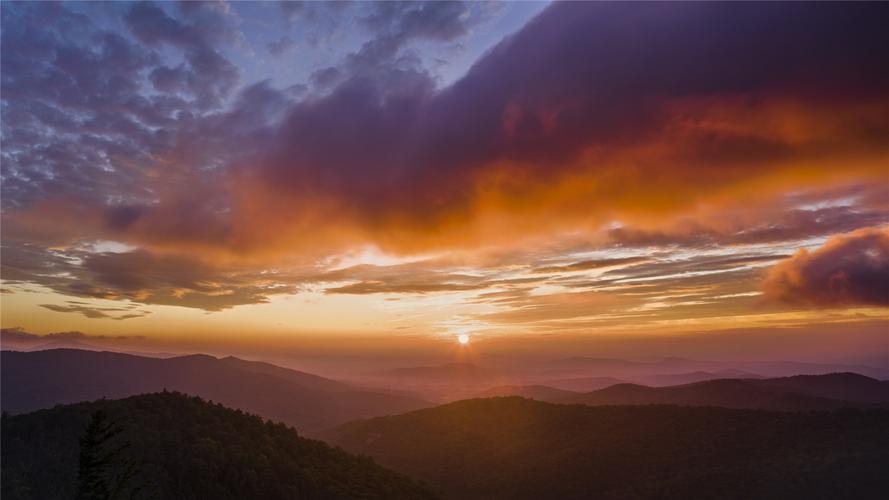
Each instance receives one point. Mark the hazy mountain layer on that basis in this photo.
(804, 392)
(42, 379)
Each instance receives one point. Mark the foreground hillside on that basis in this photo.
(42, 379)
(517, 448)
(799, 393)
(186, 448)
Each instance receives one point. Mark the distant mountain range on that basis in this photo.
(648, 372)
(514, 448)
(42, 379)
(455, 381)
(182, 447)
(803, 392)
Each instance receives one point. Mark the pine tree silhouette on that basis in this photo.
(104, 473)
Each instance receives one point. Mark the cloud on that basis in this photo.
(208, 76)
(591, 264)
(771, 223)
(368, 287)
(95, 312)
(406, 21)
(280, 46)
(18, 335)
(136, 276)
(689, 124)
(849, 270)
(574, 117)
(571, 121)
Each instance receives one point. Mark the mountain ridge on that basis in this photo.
(41, 379)
(805, 392)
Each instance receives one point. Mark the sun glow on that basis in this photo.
(463, 338)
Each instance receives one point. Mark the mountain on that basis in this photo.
(64, 343)
(789, 368)
(583, 384)
(843, 386)
(692, 377)
(513, 448)
(41, 379)
(622, 368)
(538, 392)
(635, 371)
(186, 448)
(302, 378)
(815, 392)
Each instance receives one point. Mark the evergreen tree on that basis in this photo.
(103, 472)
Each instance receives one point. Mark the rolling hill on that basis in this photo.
(809, 392)
(514, 448)
(842, 386)
(691, 377)
(185, 448)
(42, 379)
(583, 384)
(538, 392)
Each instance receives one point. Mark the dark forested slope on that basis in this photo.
(186, 448)
(513, 448)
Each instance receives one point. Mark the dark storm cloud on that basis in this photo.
(585, 72)
(849, 270)
(579, 76)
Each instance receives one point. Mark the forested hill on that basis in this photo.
(34, 380)
(185, 448)
(514, 448)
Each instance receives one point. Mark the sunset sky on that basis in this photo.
(410, 172)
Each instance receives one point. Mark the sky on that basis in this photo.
(375, 176)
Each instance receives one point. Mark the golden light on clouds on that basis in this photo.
(573, 181)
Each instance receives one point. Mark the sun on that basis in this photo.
(463, 338)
